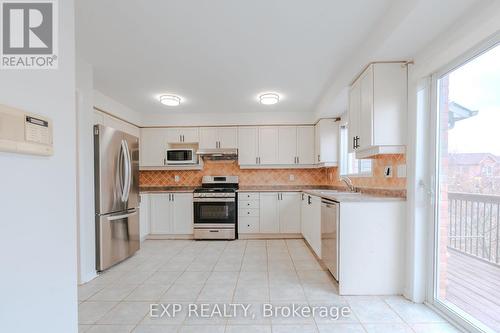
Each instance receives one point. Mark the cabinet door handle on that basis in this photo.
(256, 160)
(173, 197)
(298, 160)
(319, 158)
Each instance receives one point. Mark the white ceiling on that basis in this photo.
(220, 54)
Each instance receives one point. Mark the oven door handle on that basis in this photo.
(214, 200)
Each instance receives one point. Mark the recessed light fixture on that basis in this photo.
(269, 98)
(170, 100)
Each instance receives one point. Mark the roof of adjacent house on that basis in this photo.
(471, 158)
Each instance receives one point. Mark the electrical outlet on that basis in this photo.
(291, 177)
(177, 178)
(388, 171)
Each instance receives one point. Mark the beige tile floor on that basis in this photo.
(252, 272)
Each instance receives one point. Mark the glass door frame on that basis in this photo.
(451, 312)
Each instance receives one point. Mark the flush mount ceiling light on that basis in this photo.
(170, 100)
(269, 98)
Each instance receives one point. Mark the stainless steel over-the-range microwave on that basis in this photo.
(181, 156)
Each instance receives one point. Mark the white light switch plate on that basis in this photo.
(388, 171)
(401, 170)
(177, 178)
(291, 177)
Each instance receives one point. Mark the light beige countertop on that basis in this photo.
(170, 189)
(280, 188)
(340, 196)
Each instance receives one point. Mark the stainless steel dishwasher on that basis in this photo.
(329, 236)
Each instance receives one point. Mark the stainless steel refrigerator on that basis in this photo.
(116, 170)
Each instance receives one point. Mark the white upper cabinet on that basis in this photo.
(378, 110)
(153, 147)
(268, 145)
(276, 146)
(183, 135)
(354, 115)
(287, 146)
(327, 136)
(248, 145)
(305, 145)
(218, 137)
(208, 138)
(228, 137)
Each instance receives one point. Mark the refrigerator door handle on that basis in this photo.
(125, 177)
(129, 169)
(121, 216)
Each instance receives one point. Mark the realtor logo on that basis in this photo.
(29, 34)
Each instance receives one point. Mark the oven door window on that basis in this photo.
(215, 212)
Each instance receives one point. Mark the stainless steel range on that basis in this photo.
(215, 210)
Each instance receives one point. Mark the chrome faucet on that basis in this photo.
(348, 182)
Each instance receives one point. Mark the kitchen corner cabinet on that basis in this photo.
(183, 135)
(154, 143)
(326, 142)
(171, 213)
(378, 110)
(311, 222)
(218, 137)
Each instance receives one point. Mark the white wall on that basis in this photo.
(177, 118)
(38, 201)
(86, 216)
(117, 109)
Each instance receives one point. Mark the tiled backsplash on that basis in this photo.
(249, 177)
(377, 180)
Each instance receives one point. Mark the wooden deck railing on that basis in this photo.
(474, 225)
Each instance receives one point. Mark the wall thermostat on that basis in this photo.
(25, 133)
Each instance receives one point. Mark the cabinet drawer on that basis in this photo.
(248, 213)
(248, 204)
(248, 196)
(248, 225)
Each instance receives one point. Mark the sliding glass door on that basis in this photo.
(467, 200)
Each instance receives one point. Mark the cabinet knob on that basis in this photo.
(248, 213)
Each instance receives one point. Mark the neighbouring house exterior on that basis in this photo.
(474, 173)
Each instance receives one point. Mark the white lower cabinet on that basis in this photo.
(311, 222)
(289, 212)
(269, 218)
(144, 216)
(171, 213)
(269, 213)
(248, 213)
